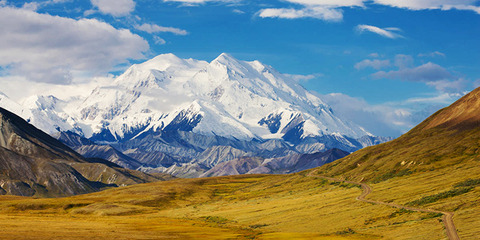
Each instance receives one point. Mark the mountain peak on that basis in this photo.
(225, 59)
(162, 62)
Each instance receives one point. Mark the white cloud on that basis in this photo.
(381, 120)
(33, 6)
(441, 99)
(115, 8)
(390, 118)
(303, 78)
(334, 6)
(375, 63)
(403, 61)
(79, 87)
(328, 10)
(431, 74)
(428, 72)
(447, 86)
(154, 28)
(158, 40)
(319, 12)
(49, 48)
(198, 2)
(432, 4)
(238, 11)
(335, 3)
(432, 54)
(384, 32)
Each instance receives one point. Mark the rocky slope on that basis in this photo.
(282, 165)
(33, 163)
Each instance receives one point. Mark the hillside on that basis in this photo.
(436, 165)
(34, 164)
(449, 138)
(292, 206)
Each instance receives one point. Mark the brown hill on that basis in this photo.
(449, 137)
(34, 163)
(464, 114)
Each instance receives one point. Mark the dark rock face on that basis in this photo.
(186, 121)
(272, 122)
(34, 163)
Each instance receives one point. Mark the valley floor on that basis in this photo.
(241, 207)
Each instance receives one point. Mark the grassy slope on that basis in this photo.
(243, 207)
(427, 162)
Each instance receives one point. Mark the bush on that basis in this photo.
(468, 183)
(442, 195)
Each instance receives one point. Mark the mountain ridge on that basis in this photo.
(34, 163)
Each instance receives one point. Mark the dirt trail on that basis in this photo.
(447, 216)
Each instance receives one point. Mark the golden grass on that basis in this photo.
(465, 206)
(237, 207)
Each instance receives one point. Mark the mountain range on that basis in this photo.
(185, 116)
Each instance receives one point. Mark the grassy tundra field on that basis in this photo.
(238, 207)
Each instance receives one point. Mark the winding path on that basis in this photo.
(447, 216)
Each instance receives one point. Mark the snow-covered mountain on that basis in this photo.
(181, 107)
(226, 97)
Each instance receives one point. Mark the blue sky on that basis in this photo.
(397, 61)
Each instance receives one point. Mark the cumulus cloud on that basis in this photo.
(115, 8)
(384, 32)
(375, 64)
(154, 28)
(428, 72)
(49, 48)
(33, 6)
(323, 13)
